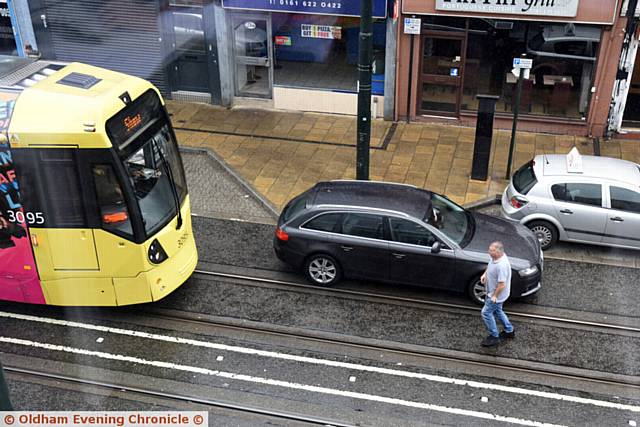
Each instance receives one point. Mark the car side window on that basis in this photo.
(586, 194)
(625, 200)
(404, 231)
(363, 225)
(327, 222)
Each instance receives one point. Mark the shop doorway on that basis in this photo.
(631, 116)
(253, 55)
(441, 66)
(189, 69)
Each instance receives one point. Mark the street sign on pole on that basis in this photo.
(412, 25)
(522, 65)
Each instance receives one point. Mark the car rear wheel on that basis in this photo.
(322, 270)
(546, 233)
(476, 291)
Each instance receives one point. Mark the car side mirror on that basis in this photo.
(436, 247)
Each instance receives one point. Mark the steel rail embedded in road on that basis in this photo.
(557, 319)
(179, 397)
(602, 378)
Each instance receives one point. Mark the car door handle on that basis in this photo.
(616, 219)
(566, 211)
(347, 248)
(399, 256)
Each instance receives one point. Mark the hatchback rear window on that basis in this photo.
(524, 179)
(328, 222)
(294, 207)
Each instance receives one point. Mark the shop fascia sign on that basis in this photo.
(564, 8)
(314, 7)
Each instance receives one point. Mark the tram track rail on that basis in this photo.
(17, 372)
(515, 368)
(600, 326)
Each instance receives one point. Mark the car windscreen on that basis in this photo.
(452, 220)
(525, 178)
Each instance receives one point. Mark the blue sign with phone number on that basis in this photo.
(316, 7)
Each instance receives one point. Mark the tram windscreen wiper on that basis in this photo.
(172, 183)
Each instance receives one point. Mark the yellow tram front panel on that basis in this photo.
(160, 280)
(125, 275)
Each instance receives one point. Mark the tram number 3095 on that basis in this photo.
(28, 217)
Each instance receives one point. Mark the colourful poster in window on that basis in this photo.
(283, 41)
(321, 31)
(19, 279)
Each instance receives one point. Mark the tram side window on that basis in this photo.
(113, 209)
(50, 187)
(59, 178)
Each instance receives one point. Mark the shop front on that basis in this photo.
(299, 54)
(465, 48)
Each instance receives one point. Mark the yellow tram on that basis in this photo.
(94, 208)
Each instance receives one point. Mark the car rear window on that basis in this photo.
(294, 207)
(524, 179)
(327, 222)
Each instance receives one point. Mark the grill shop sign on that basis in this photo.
(566, 8)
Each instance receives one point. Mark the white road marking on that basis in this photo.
(325, 362)
(277, 383)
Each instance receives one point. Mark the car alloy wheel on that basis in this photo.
(322, 270)
(544, 232)
(477, 291)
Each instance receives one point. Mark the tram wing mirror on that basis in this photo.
(112, 218)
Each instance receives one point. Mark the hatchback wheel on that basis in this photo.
(477, 291)
(546, 233)
(322, 270)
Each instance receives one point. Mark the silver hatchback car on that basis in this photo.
(576, 198)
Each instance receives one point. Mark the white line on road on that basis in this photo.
(278, 383)
(325, 362)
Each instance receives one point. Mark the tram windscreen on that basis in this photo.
(151, 168)
(149, 151)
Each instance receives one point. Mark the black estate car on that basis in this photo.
(402, 234)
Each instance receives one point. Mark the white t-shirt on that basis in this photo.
(499, 271)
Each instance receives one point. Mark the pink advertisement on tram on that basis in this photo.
(19, 279)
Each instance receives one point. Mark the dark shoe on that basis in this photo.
(490, 341)
(507, 335)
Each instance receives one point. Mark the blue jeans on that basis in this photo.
(488, 311)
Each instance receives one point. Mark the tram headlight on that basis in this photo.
(156, 253)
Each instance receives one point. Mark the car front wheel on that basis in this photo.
(546, 233)
(322, 270)
(476, 291)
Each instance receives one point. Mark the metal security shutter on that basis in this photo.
(122, 35)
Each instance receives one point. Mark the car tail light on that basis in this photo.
(281, 235)
(518, 202)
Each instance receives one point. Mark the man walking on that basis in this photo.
(497, 281)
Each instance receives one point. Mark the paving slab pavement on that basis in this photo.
(276, 155)
(282, 153)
